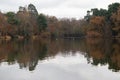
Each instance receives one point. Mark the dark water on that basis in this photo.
(83, 59)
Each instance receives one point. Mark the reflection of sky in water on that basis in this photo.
(60, 67)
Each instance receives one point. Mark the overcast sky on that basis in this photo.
(58, 8)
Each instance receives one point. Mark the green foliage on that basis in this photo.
(10, 14)
(87, 17)
(102, 12)
(112, 8)
(111, 19)
(13, 21)
(42, 22)
(11, 18)
(32, 9)
(97, 12)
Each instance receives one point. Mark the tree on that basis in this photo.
(42, 22)
(11, 18)
(32, 10)
(97, 27)
(112, 8)
(116, 21)
(97, 12)
(87, 17)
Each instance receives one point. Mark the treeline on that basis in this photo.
(97, 23)
(104, 23)
(23, 24)
(27, 23)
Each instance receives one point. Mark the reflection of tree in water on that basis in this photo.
(31, 52)
(66, 46)
(28, 53)
(104, 51)
(115, 57)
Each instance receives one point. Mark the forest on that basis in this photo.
(28, 23)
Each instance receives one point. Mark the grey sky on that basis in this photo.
(58, 8)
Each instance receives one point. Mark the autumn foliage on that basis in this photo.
(27, 23)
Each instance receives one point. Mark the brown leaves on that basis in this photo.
(97, 20)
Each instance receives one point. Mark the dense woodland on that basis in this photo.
(28, 23)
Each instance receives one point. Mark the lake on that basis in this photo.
(61, 59)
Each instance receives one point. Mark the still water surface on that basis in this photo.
(84, 59)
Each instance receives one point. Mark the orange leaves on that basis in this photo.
(97, 20)
(97, 26)
(116, 17)
(116, 20)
